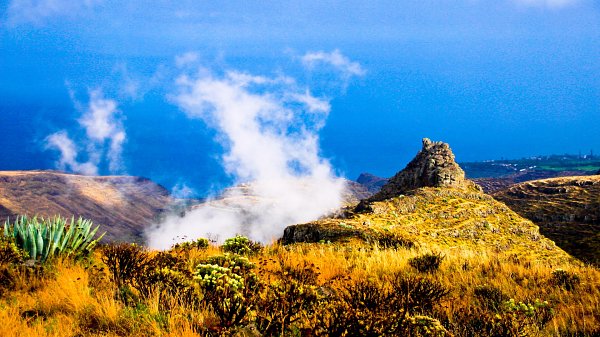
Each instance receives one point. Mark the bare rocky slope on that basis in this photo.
(567, 210)
(122, 205)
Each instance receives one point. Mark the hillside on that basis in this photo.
(431, 204)
(566, 209)
(122, 205)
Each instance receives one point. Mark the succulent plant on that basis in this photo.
(44, 239)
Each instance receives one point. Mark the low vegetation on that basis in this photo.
(303, 289)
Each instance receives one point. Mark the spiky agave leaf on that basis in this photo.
(50, 237)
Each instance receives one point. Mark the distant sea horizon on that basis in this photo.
(176, 152)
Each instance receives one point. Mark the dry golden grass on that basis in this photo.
(524, 280)
(73, 301)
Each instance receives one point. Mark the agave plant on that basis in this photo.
(46, 238)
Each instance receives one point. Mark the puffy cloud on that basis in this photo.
(335, 59)
(104, 139)
(269, 130)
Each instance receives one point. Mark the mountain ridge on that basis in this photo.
(123, 205)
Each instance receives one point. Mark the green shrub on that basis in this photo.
(229, 286)
(416, 294)
(513, 319)
(426, 263)
(367, 309)
(173, 287)
(46, 238)
(393, 307)
(199, 244)
(289, 303)
(241, 245)
(424, 326)
(126, 262)
(9, 252)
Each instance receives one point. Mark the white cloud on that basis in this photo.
(105, 136)
(313, 103)
(186, 59)
(61, 142)
(99, 119)
(270, 135)
(38, 11)
(547, 3)
(335, 59)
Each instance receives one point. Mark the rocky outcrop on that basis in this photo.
(319, 231)
(434, 166)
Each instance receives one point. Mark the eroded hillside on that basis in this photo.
(566, 209)
(122, 205)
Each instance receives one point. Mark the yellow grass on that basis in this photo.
(68, 300)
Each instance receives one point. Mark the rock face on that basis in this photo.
(434, 166)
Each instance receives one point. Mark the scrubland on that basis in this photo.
(317, 289)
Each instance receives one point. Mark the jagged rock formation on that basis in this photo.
(433, 166)
(123, 206)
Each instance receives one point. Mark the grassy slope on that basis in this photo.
(451, 221)
(567, 210)
(484, 243)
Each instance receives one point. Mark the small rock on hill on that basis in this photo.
(434, 166)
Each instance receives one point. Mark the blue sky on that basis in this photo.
(505, 78)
